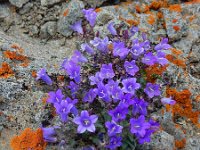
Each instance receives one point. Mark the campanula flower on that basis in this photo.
(63, 109)
(149, 59)
(96, 79)
(103, 92)
(49, 134)
(161, 59)
(90, 15)
(120, 50)
(137, 48)
(101, 44)
(41, 74)
(130, 67)
(111, 28)
(139, 107)
(126, 100)
(73, 110)
(86, 47)
(115, 141)
(154, 125)
(73, 88)
(163, 45)
(168, 100)
(77, 26)
(113, 128)
(78, 57)
(117, 94)
(90, 95)
(55, 97)
(152, 90)
(85, 122)
(106, 71)
(134, 30)
(146, 138)
(118, 113)
(130, 85)
(139, 126)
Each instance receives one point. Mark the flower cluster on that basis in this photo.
(106, 85)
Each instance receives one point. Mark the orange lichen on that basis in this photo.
(160, 15)
(6, 71)
(110, 47)
(66, 12)
(180, 143)
(176, 51)
(174, 20)
(151, 19)
(176, 28)
(156, 69)
(157, 4)
(176, 61)
(16, 56)
(61, 78)
(142, 8)
(183, 106)
(29, 140)
(175, 7)
(193, 1)
(34, 74)
(98, 10)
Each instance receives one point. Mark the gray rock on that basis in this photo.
(48, 29)
(34, 30)
(193, 143)
(74, 9)
(26, 8)
(4, 11)
(94, 3)
(160, 141)
(175, 30)
(18, 3)
(50, 2)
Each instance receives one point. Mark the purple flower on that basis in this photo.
(139, 126)
(160, 58)
(169, 100)
(152, 90)
(55, 97)
(90, 15)
(146, 138)
(78, 57)
(86, 47)
(95, 79)
(131, 67)
(73, 110)
(119, 113)
(117, 94)
(85, 122)
(112, 29)
(49, 134)
(41, 74)
(130, 85)
(139, 107)
(154, 125)
(126, 100)
(113, 128)
(106, 71)
(103, 92)
(149, 59)
(90, 95)
(100, 44)
(63, 109)
(73, 88)
(111, 85)
(72, 69)
(163, 45)
(137, 48)
(115, 142)
(77, 26)
(134, 30)
(120, 50)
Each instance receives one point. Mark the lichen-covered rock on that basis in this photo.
(176, 25)
(71, 13)
(18, 3)
(4, 11)
(95, 3)
(50, 2)
(48, 29)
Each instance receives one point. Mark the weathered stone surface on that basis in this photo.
(50, 2)
(74, 13)
(18, 3)
(175, 29)
(94, 3)
(4, 11)
(48, 29)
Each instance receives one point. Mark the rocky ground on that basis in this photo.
(39, 30)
